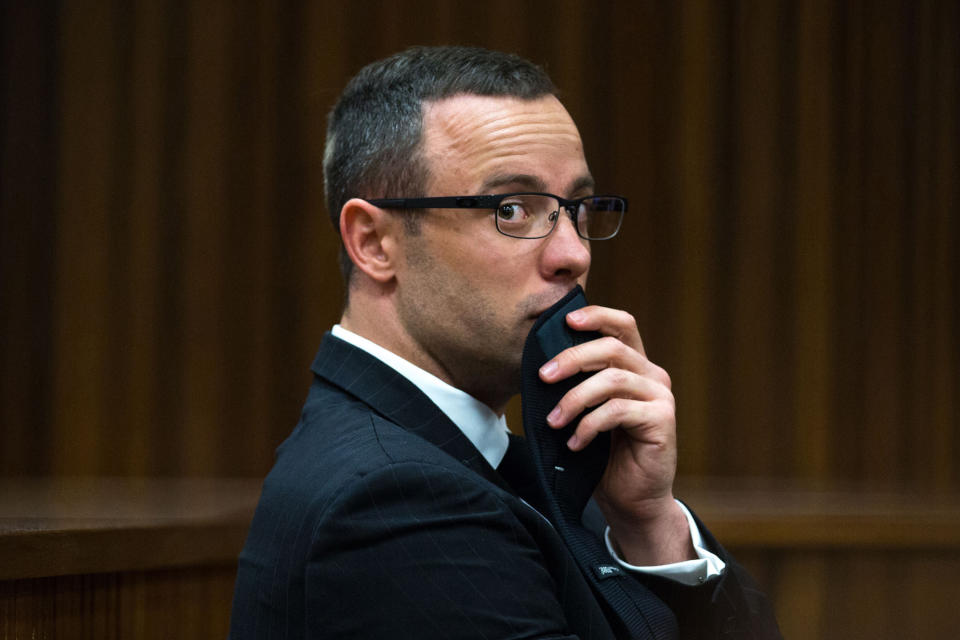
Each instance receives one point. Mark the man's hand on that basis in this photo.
(631, 397)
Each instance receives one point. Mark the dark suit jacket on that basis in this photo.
(381, 520)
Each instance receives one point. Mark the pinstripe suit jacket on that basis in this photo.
(381, 520)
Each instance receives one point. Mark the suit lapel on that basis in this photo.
(397, 399)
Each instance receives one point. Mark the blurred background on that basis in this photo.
(167, 267)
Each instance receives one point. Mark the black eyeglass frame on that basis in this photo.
(492, 202)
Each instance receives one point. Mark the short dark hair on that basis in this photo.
(374, 130)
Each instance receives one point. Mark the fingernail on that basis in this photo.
(573, 442)
(576, 316)
(554, 416)
(549, 369)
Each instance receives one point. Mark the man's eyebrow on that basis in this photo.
(523, 180)
(583, 183)
(534, 183)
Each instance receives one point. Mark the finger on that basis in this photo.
(649, 422)
(596, 355)
(600, 387)
(610, 322)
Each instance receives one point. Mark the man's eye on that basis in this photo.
(511, 211)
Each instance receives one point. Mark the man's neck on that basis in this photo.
(381, 327)
(484, 428)
(387, 333)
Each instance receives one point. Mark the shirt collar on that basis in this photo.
(483, 428)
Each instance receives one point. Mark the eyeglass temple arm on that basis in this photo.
(441, 202)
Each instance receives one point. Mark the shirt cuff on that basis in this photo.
(688, 572)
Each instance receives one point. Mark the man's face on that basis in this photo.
(466, 294)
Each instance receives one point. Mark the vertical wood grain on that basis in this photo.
(864, 584)
(86, 175)
(168, 267)
(250, 121)
(814, 188)
(928, 611)
(137, 405)
(28, 161)
(696, 199)
(944, 279)
(185, 603)
(755, 347)
(850, 301)
(803, 579)
(206, 273)
(887, 229)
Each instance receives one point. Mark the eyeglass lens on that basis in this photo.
(534, 216)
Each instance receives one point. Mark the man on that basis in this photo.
(399, 506)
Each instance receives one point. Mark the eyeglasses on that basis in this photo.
(530, 215)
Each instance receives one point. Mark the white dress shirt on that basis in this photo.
(488, 433)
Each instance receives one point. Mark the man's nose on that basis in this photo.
(565, 254)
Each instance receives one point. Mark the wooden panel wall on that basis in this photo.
(858, 593)
(167, 268)
(791, 253)
(189, 603)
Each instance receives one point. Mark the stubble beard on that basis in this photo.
(465, 335)
(462, 332)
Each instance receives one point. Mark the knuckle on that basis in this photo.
(575, 355)
(615, 347)
(624, 318)
(573, 400)
(667, 380)
(663, 413)
(660, 374)
(589, 425)
(618, 378)
(586, 425)
(617, 408)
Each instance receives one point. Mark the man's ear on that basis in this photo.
(368, 235)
